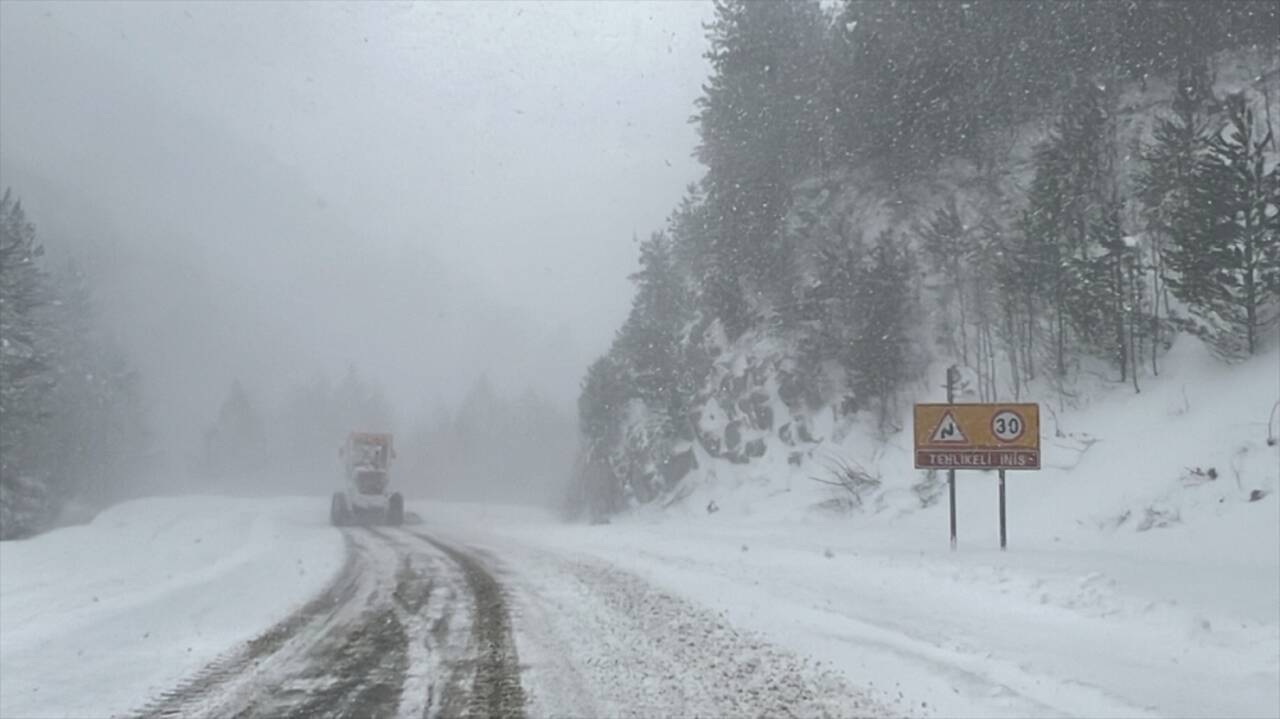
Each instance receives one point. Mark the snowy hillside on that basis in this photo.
(763, 422)
(1188, 458)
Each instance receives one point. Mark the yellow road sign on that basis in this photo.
(977, 436)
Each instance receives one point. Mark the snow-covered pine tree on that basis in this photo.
(948, 249)
(985, 298)
(653, 335)
(883, 359)
(27, 360)
(97, 439)
(1072, 184)
(601, 408)
(839, 317)
(1165, 184)
(361, 403)
(1109, 299)
(1001, 265)
(760, 124)
(1226, 268)
(236, 444)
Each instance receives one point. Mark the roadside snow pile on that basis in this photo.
(96, 618)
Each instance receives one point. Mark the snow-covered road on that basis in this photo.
(211, 607)
(411, 622)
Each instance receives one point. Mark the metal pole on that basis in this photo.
(1003, 536)
(952, 376)
(951, 489)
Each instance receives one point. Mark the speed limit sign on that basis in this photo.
(1007, 425)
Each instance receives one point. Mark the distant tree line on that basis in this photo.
(491, 447)
(72, 425)
(292, 445)
(1087, 254)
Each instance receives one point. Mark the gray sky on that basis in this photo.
(428, 190)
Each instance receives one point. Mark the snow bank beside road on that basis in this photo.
(95, 618)
(1049, 631)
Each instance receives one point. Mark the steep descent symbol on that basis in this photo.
(948, 431)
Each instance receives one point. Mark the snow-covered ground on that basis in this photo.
(96, 618)
(1049, 631)
(1133, 584)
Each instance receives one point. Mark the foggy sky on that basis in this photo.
(429, 191)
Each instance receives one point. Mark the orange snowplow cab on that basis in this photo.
(366, 459)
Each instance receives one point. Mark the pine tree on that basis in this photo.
(949, 248)
(1166, 182)
(71, 421)
(27, 360)
(1068, 194)
(1000, 270)
(602, 402)
(882, 349)
(97, 437)
(601, 408)
(760, 126)
(1226, 267)
(653, 336)
(236, 444)
(913, 80)
(988, 245)
(1110, 293)
(837, 299)
(361, 403)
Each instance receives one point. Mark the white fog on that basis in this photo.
(271, 192)
(639, 358)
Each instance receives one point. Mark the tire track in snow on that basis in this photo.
(410, 627)
(495, 689)
(208, 682)
(346, 653)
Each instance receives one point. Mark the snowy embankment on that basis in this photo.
(95, 618)
(1133, 585)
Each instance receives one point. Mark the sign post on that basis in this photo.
(976, 436)
(1004, 542)
(953, 376)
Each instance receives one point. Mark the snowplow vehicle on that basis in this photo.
(364, 498)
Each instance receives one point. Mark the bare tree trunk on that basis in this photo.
(1118, 287)
(964, 320)
(1135, 309)
(1061, 340)
(991, 362)
(1250, 285)
(1030, 363)
(1156, 274)
(1012, 349)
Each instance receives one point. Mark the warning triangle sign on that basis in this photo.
(948, 431)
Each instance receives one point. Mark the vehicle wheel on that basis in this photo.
(339, 512)
(395, 510)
